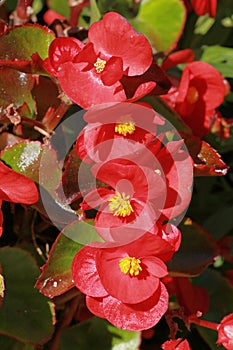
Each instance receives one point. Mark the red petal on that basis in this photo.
(85, 275)
(1, 218)
(113, 71)
(15, 187)
(128, 289)
(86, 87)
(63, 50)
(137, 317)
(114, 36)
(95, 305)
(201, 7)
(177, 166)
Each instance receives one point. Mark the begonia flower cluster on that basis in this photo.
(146, 181)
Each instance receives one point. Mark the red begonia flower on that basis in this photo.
(200, 91)
(124, 279)
(16, 188)
(114, 49)
(225, 332)
(108, 123)
(176, 344)
(202, 7)
(128, 202)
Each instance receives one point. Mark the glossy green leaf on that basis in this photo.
(101, 335)
(197, 251)
(25, 314)
(162, 22)
(35, 161)
(219, 57)
(221, 302)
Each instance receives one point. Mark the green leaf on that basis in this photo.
(23, 41)
(37, 5)
(60, 6)
(7, 343)
(101, 335)
(25, 314)
(219, 57)
(221, 301)
(197, 251)
(161, 21)
(95, 13)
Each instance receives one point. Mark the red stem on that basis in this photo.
(204, 323)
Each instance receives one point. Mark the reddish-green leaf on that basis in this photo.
(56, 277)
(15, 89)
(25, 314)
(197, 251)
(211, 163)
(23, 41)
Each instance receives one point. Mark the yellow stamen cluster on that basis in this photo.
(99, 65)
(192, 94)
(130, 266)
(125, 128)
(119, 204)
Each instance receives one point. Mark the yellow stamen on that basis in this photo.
(130, 266)
(99, 65)
(192, 95)
(125, 128)
(119, 205)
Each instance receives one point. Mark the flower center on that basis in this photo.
(192, 94)
(119, 205)
(99, 65)
(130, 266)
(125, 128)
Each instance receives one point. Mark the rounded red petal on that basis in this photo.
(95, 305)
(114, 36)
(63, 50)
(15, 187)
(86, 88)
(85, 274)
(128, 289)
(138, 316)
